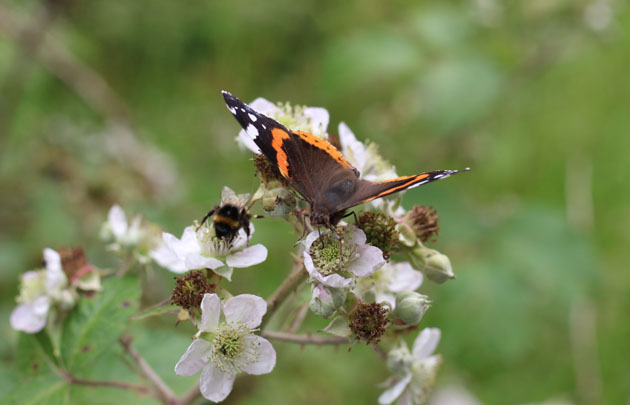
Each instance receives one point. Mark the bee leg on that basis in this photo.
(208, 215)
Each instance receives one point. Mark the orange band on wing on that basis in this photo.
(324, 145)
(278, 138)
(411, 182)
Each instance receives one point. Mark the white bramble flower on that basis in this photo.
(331, 267)
(364, 156)
(120, 231)
(312, 119)
(414, 372)
(224, 348)
(137, 237)
(202, 249)
(39, 291)
(390, 279)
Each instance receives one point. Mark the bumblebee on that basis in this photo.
(230, 215)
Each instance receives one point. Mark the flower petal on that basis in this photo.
(196, 261)
(31, 317)
(425, 343)
(195, 358)
(248, 142)
(319, 118)
(264, 106)
(405, 278)
(331, 280)
(370, 259)
(246, 308)
(266, 356)
(210, 312)
(117, 221)
(247, 257)
(351, 148)
(215, 385)
(382, 297)
(310, 238)
(52, 260)
(358, 236)
(394, 391)
(165, 257)
(225, 272)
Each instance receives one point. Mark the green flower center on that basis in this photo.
(331, 257)
(231, 350)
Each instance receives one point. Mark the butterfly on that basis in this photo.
(316, 169)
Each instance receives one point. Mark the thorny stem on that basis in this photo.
(297, 275)
(306, 339)
(299, 318)
(164, 392)
(114, 384)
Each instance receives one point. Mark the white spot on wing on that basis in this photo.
(263, 125)
(251, 131)
(419, 183)
(252, 117)
(232, 110)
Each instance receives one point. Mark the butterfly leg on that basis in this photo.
(208, 215)
(354, 214)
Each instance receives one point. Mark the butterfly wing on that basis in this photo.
(305, 160)
(368, 190)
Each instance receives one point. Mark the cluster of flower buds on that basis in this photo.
(46, 293)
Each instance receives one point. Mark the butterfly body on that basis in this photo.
(315, 168)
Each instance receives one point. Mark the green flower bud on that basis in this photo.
(325, 301)
(410, 307)
(407, 234)
(438, 267)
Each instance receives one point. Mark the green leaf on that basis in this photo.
(97, 322)
(338, 327)
(35, 354)
(45, 389)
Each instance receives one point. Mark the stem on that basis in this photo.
(164, 392)
(297, 275)
(114, 384)
(307, 339)
(190, 395)
(299, 318)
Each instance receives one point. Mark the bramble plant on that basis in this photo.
(70, 312)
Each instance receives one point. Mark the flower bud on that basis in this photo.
(407, 234)
(380, 231)
(410, 307)
(438, 267)
(325, 301)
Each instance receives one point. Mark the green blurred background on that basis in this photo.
(112, 101)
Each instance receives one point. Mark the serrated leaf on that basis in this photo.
(161, 310)
(45, 389)
(338, 327)
(97, 322)
(35, 354)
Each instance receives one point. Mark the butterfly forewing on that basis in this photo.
(368, 190)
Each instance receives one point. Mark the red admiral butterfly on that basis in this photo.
(316, 169)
